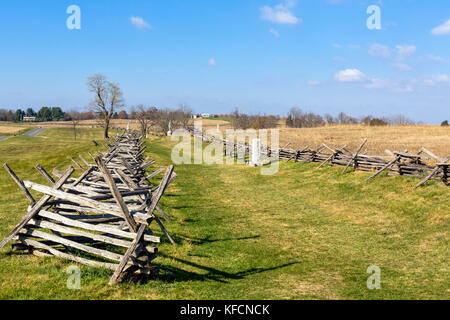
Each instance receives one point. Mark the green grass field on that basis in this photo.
(301, 234)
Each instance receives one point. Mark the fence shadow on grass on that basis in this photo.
(208, 239)
(174, 274)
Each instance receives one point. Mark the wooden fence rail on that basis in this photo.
(424, 165)
(92, 219)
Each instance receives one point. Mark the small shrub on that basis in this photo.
(377, 122)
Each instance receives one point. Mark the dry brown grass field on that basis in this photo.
(10, 129)
(394, 138)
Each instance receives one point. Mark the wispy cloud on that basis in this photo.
(390, 85)
(435, 79)
(397, 55)
(340, 59)
(379, 83)
(313, 83)
(443, 29)
(432, 57)
(405, 51)
(402, 67)
(274, 32)
(379, 50)
(212, 62)
(281, 13)
(140, 23)
(350, 46)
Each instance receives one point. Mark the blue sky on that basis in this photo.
(259, 56)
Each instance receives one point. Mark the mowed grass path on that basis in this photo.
(301, 234)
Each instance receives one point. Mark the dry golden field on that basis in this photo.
(9, 130)
(393, 138)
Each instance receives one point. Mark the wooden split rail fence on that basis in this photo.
(101, 218)
(425, 164)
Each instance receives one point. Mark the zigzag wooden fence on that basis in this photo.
(101, 218)
(425, 164)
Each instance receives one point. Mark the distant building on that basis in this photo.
(29, 119)
(206, 115)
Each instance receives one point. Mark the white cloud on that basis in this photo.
(350, 75)
(212, 62)
(274, 32)
(443, 29)
(281, 13)
(313, 83)
(404, 52)
(380, 50)
(336, 45)
(140, 23)
(354, 75)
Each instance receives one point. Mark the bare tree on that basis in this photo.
(108, 99)
(400, 119)
(299, 119)
(75, 118)
(184, 113)
(241, 120)
(168, 119)
(146, 117)
(330, 119)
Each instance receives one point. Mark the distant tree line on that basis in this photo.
(240, 120)
(44, 114)
(298, 119)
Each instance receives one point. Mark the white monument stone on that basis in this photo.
(256, 153)
(169, 133)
